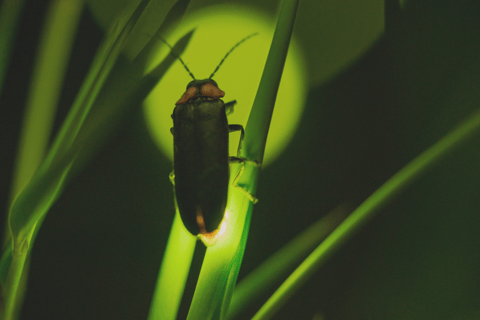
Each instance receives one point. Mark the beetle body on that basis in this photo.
(201, 161)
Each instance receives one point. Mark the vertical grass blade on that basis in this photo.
(366, 211)
(260, 117)
(173, 273)
(219, 263)
(222, 260)
(50, 65)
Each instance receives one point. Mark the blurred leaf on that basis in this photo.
(51, 61)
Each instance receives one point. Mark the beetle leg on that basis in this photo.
(171, 176)
(234, 128)
(243, 161)
(229, 107)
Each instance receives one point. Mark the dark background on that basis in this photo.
(100, 247)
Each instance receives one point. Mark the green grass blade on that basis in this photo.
(222, 261)
(236, 263)
(219, 264)
(366, 211)
(173, 272)
(9, 16)
(50, 65)
(258, 122)
(277, 266)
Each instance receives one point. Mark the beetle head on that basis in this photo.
(206, 89)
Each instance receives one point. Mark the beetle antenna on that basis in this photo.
(178, 57)
(238, 43)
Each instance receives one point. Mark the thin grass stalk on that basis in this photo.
(173, 272)
(222, 261)
(51, 61)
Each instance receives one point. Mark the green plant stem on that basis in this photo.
(258, 123)
(173, 272)
(366, 211)
(51, 62)
(222, 261)
(14, 296)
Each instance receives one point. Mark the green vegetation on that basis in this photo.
(123, 73)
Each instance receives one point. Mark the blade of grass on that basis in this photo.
(37, 201)
(50, 65)
(260, 117)
(222, 311)
(173, 272)
(277, 266)
(210, 293)
(367, 211)
(222, 261)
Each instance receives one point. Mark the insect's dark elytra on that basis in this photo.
(201, 165)
(201, 159)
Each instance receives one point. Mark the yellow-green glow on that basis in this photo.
(209, 239)
(173, 273)
(217, 263)
(218, 28)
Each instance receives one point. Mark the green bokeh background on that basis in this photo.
(375, 101)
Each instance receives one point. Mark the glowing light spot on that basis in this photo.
(209, 239)
(223, 228)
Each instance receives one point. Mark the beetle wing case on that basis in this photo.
(201, 163)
